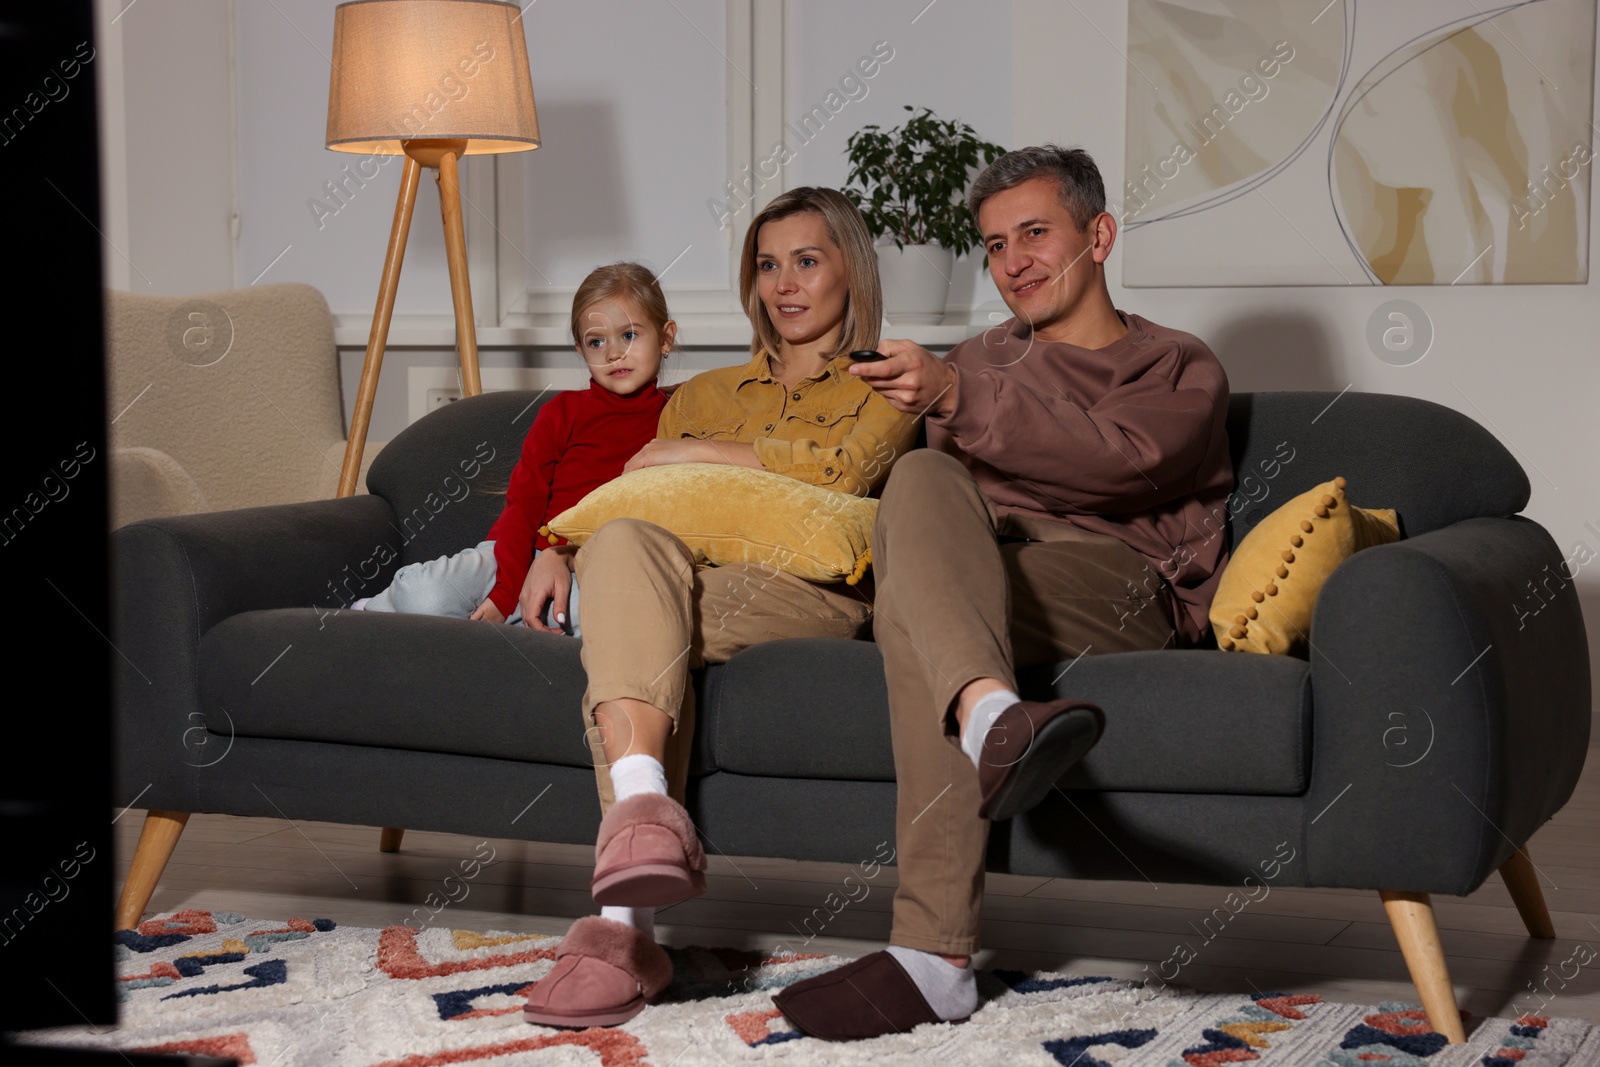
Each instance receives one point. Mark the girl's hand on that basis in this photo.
(487, 612)
(549, 582)
(687, 450)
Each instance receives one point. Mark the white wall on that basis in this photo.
(1520, 360)
(631, 99)
(169, 170)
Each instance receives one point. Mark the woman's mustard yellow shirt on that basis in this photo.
(831, 430)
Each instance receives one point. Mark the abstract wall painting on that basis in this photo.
(1433, 142)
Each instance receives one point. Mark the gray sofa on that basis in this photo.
(1428, 696)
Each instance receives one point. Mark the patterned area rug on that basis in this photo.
(313, 993)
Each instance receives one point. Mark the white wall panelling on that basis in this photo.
(168, 137)
(111, 96)
(640, 162)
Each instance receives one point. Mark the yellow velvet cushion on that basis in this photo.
(1264, 599)
(729, 514)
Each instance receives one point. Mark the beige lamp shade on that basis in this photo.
(430, 70)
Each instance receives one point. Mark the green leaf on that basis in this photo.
(910, 181)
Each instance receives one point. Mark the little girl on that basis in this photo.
(579, 440)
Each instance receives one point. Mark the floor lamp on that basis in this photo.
(432, 80)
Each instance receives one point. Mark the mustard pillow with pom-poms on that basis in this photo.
(728, 514)
(1267, 591)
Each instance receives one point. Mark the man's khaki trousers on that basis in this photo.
(955, 604)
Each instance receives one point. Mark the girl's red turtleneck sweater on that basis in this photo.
(579, 440)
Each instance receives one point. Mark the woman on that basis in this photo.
(809, 281)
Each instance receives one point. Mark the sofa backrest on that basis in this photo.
(1433, 465)
(446, 474)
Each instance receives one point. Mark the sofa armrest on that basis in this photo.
(175, 578)
(196, 570)
(1451, 706)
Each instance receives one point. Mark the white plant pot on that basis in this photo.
(916, 280)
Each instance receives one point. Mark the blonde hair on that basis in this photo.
(863, 309)
(614, 280)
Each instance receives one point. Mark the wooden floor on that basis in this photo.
(1332, 942)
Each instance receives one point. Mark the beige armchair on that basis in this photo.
(222, 400)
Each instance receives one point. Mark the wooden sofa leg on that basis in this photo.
(389, 840)
(156, 841)
(1523, 882)
(1411, 916)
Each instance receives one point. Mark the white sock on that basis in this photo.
(641, 919)
(632, 775)
(360, 605)
(952, 992)
(984, 713)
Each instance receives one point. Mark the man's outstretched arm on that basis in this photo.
(1138, 446)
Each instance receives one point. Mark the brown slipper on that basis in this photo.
(647, 855)
(1029, 747)
(605, 974)
(870, 997)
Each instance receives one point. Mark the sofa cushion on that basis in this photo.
(1190, 721)
(802, 708)
(1176, 721)
(397, 681)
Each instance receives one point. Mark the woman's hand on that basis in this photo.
(549, 581)
(487, 612)
(687, 450)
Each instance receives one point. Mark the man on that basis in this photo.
(1074, 456)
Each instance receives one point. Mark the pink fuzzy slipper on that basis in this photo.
(605, 974)
(648, 855)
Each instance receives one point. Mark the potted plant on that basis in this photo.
(910, 183)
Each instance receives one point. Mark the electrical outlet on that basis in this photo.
(442, 396)
(438, 398)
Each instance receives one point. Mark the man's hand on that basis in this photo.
(487, 612)
(688, 450)
(911, 379)
(549, 581)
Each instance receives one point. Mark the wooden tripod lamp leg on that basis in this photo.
(419, 154)
(156, 841)
(1523, 883)
(361, 414)
(455, 246)
(1411, 915)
